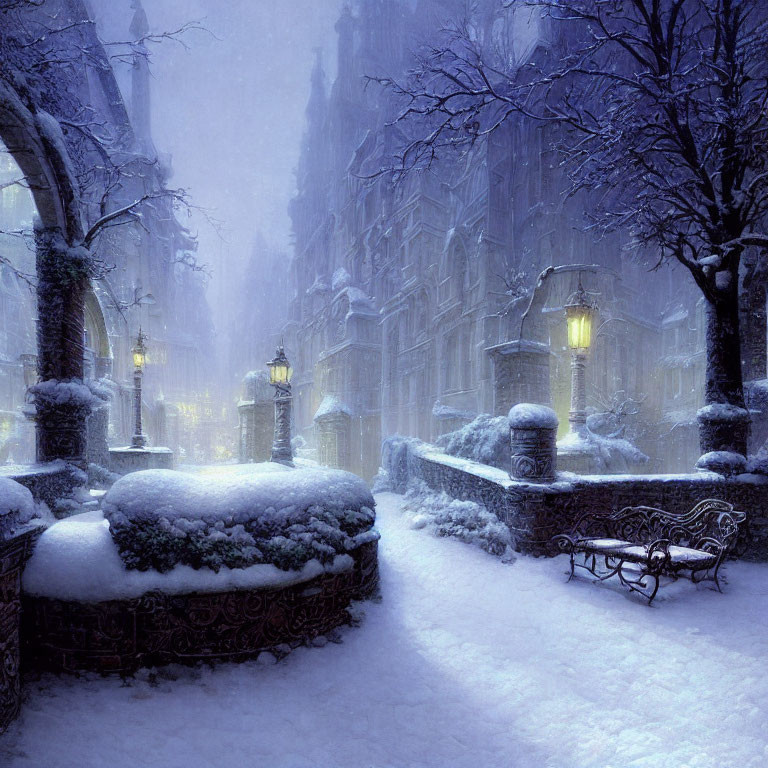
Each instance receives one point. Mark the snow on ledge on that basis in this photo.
(722, 412)
(332, 405)
(77, 559)
(532, 416)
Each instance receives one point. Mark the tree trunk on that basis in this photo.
(724, 429)
(61, 285)
(754, 342)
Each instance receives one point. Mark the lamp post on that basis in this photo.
(280, 373)
(579, 312)
(138, 440)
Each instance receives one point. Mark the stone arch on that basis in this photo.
(35, 142)
(25, 149)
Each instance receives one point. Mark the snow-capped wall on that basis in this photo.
(534, 512)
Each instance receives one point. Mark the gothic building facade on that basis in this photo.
(456, 311)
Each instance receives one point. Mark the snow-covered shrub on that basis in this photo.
(381, 483)
(485, 440)
(466, 520)
(17, 507)
(100, 477)
(162, 518)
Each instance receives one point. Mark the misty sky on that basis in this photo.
(230, 109)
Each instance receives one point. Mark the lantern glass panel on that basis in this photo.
(138, 358)
(278, 373)
(579, 327)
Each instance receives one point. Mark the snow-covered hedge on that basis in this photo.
(485, 439)
(465, 520)
(160, 518)
(16, 506)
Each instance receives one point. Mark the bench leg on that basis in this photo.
(639, 584)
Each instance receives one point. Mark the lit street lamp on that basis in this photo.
(139, 358)
(580, 312)
(280, 373)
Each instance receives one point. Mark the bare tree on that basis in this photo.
(661, 110)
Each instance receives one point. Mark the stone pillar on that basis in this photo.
(520, 374)
(333, 438)
(97, 425)
(533, 432)
(577, 418)
(723, 427)
(62, 279)
(281, 446)
(139, 439)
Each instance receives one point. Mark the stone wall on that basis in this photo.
(123, 635)
(536, 512)
(13, 554)
(47, 482)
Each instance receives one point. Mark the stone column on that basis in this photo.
(281, 446)
(723, 427)
(139, 439)
(62, 279)
(577, 418)
(533, 432)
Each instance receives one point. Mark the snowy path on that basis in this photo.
(466, 662)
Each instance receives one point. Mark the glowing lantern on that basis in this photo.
(139, 351)
(280, 371)
(579, 313)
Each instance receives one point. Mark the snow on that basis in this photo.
(722, 412)
(341, 279)
(161, 518)
(218, 496)
(440, 411)
(331, 405)
(485, 440)
(466, 662)
(468, 521)
(724, 462)
(53, 393)
(77, 559)
(532, 416)
(15, 500)
(612, 454)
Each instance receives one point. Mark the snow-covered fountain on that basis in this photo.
(182, 567)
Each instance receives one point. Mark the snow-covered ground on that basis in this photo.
(467, 661)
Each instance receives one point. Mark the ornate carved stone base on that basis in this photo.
(155, 629)
(13, 554)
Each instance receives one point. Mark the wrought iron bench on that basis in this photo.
(640, 544)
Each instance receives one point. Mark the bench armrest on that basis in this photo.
(660, 546)
(564, 541)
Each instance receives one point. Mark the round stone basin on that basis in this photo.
(83, 609)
